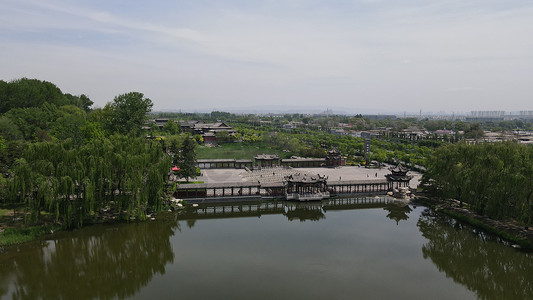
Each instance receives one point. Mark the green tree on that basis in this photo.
(82, 101)
(128, 112)
(25, 93)
(9, 130)
(32, 120)
(70, 124)
(9, 154)
(187, 158)
(93, 130)
(474, 131)
(198, 138)
(74, 183)
(223, 137)
(171, 127)
(380, 155)
(494, 179)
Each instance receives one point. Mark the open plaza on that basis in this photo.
(343, 173)
(300, 184)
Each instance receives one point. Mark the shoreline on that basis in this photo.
(509, 230)
(14, 235)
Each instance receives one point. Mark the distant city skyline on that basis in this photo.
(265, 110)
(361, 56)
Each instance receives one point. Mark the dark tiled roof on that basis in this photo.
(302, 159)
(305, 178)
(399, 169)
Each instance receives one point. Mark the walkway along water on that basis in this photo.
(289, 184)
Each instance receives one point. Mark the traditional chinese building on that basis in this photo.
(267, 160)
(398, 177)
(334, 158)
(210, 138)
(306, 187)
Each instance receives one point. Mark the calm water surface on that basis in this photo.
(362, 248)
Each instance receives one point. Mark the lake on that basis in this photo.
(352, 248)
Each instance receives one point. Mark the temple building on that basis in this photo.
(398, 177)
(304, 187)
(267, 160)
(334, 159)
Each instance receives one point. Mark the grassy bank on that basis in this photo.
(238, 151)
(15, 231)
(12, 236)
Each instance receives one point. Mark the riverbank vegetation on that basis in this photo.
(315, 143)
(119, 173)
(493, 179)
(64, 163)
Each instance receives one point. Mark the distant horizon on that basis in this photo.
(332, 111)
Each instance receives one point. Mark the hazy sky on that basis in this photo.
(372, 55)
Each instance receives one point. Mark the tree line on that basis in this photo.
(62, 158)
(122, 174)
(315, 143)
(494, 179)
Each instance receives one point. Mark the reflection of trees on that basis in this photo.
(101, 262)
(473, 259)
(190, 223)
(398, 211)
(6, 264)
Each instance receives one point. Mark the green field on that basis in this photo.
(4, 212)
(238, 151)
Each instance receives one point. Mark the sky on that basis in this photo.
(368, 56)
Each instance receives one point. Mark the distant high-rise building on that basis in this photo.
(526, 113)
(486, 115)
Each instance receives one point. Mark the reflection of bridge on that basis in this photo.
(357, 203)
(292, 210)
(233, 210)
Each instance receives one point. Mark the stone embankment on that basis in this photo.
(401, 193)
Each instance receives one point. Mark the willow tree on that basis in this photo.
(494, 179)
(123, 174)
(20, 183)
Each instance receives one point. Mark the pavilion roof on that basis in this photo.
(353, 182)
(305, 178)
(301, 159)
(399, 169)
(216, 160)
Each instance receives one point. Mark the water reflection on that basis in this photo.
(294, 211)
(357, 253)
(304, 212)
(398, 211)
(100, 262)
(479, 263)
